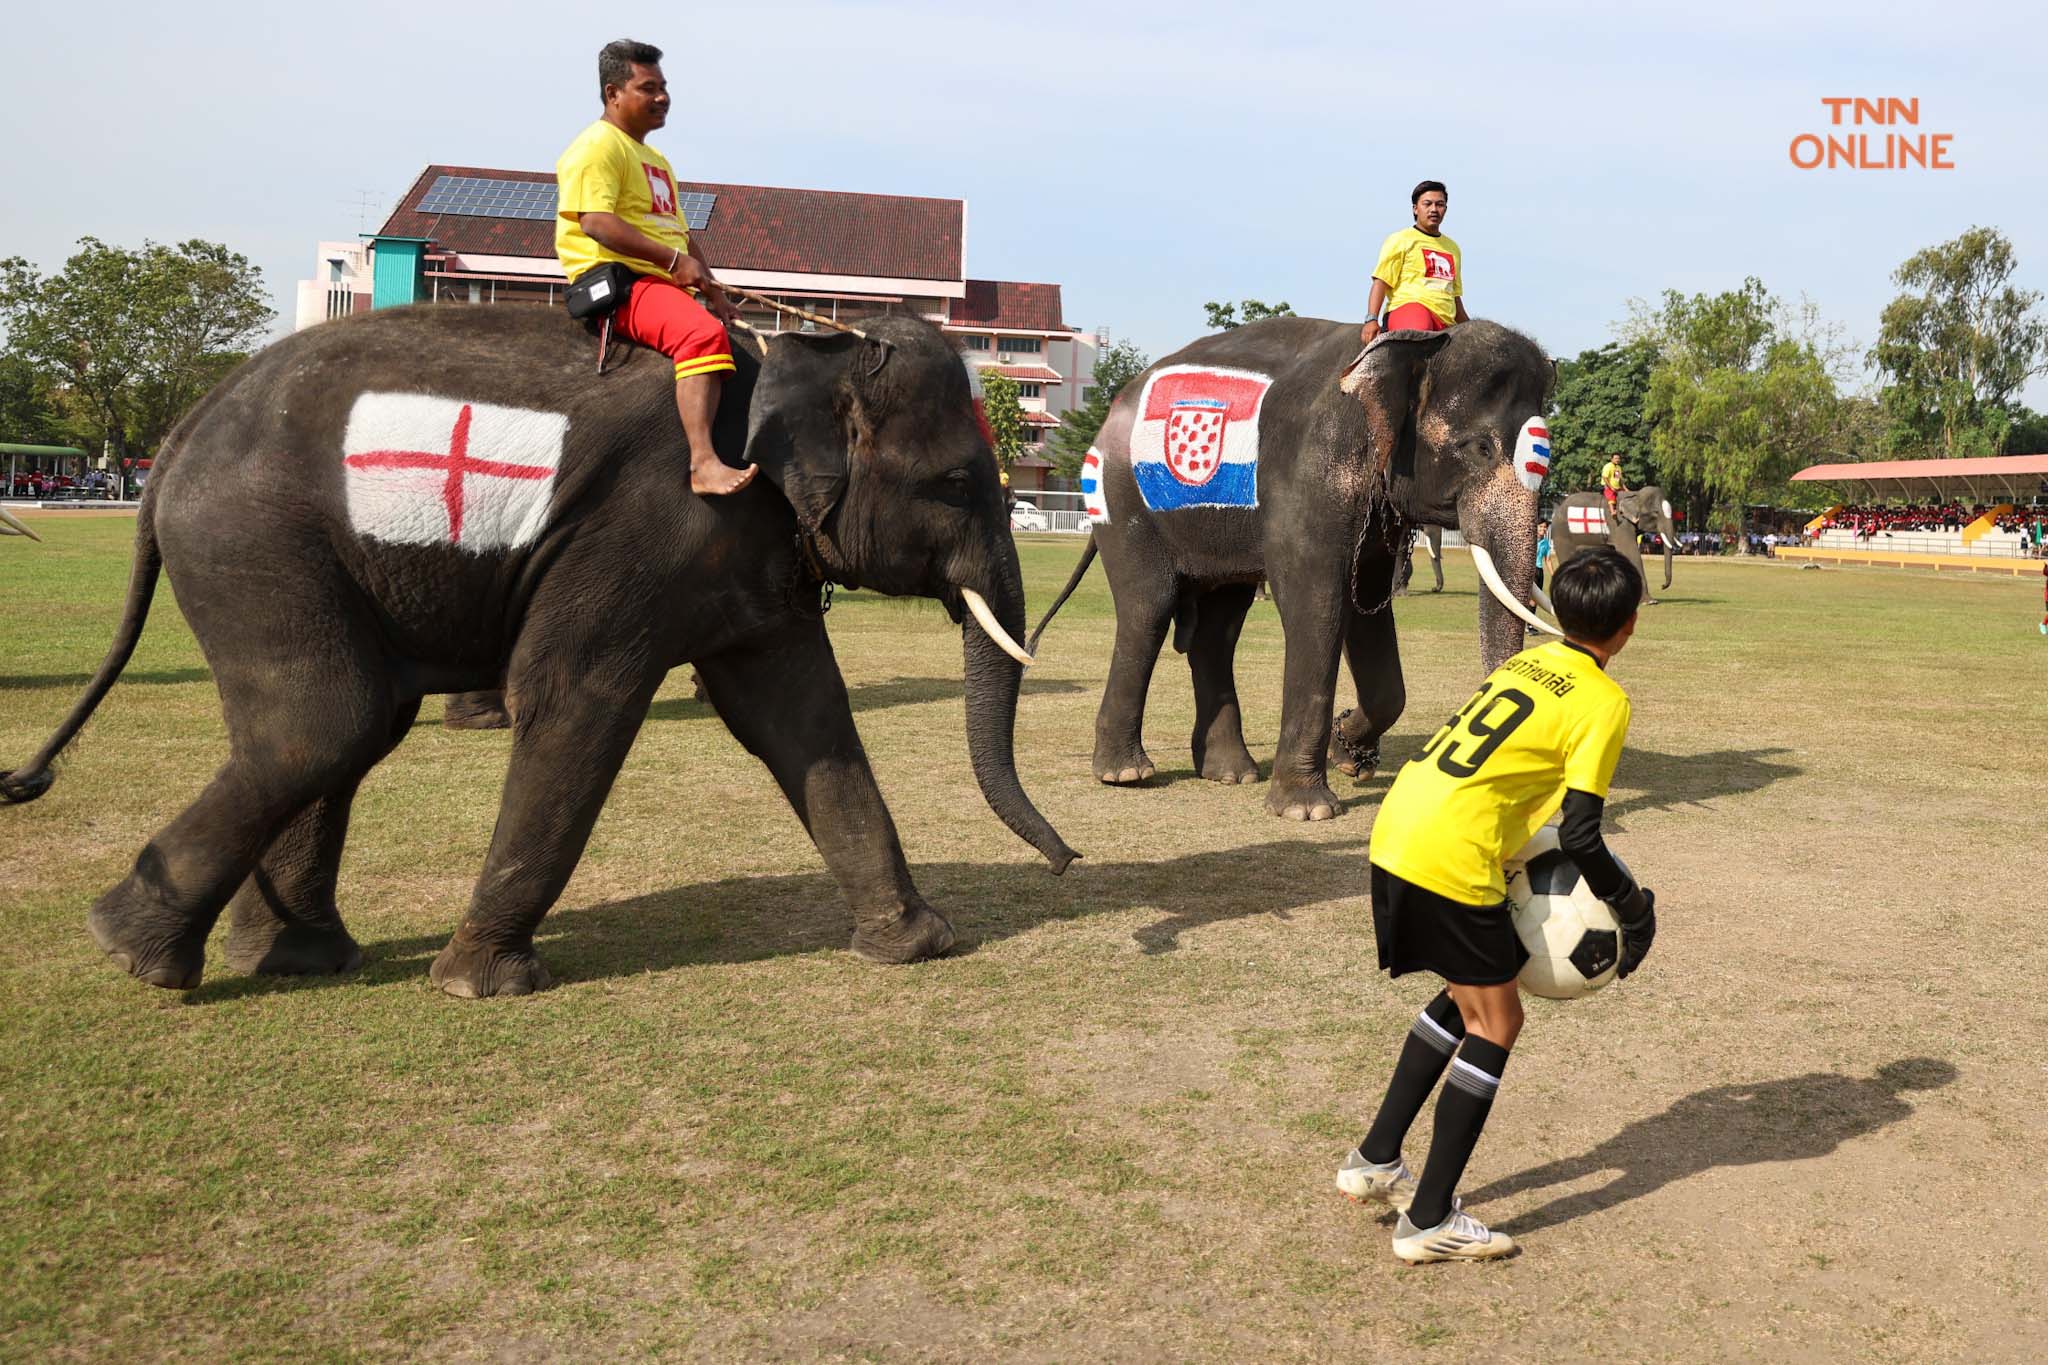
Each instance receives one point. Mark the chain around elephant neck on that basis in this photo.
(1380, 513)
(810, 587)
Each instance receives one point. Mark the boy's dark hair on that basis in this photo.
(615, 62)
(1424, 188)
(1595, 593)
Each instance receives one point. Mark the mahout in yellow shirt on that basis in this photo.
(605, 170)
(1419, 268)
(1545, 721)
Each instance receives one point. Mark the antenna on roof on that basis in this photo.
(363, 201)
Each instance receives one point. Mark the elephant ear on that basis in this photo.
(803, 420)
(1387, 381)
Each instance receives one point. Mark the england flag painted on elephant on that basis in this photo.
(422, 470)
(1195, 442)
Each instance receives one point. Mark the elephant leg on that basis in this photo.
(1220, 754)
(1372, 652)
(303, 727)
(566, 752)
(284, 920)
(786, 703)
(476, 711)
(1313, 620)
(1144, 611)
(1436, 560)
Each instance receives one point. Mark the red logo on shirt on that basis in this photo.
(661, 190)
(1438, 265)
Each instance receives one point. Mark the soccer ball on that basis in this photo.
(1573, 940)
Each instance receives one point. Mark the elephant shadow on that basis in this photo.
(158, 676)
(1660, 781)
(1800, 1118)
(747, 919)
(878, 696)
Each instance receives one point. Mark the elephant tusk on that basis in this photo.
(16, 525)
(1543, 601)
(1483, 562)
(977, 604)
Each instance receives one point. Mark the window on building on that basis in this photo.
(1030, 390)
(334, 272)
(1022, 345)
(974, 343)
(1087, 395)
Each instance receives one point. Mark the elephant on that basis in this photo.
(440, 500)
(1433, 539)
(1241, 456)
(1580, 523)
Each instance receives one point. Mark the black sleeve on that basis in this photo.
(1579, 834)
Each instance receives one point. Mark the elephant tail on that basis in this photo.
(33, 778)
(1073, 582)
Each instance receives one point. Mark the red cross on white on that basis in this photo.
(422, 470)
(1586, 521)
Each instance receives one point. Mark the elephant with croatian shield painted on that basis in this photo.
(1580, 523)
(1240, 457)
(449, 499)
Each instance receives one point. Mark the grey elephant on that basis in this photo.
(1580, 523)
(1432, 538)
(1239, 457)
(448, 499)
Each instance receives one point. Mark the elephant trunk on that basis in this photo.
(993, 677)
(1498, 519)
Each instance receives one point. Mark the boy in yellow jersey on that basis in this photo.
(1546, 726)
(617, 202)
(1420, 275)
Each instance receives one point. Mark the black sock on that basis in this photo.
(1460, 1113)
(1432, 1038)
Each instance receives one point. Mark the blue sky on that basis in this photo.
(1595, 152)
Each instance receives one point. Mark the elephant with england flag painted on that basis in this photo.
(1582, 522)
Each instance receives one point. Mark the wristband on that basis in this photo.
(675, 257)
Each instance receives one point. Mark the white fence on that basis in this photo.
(1992, 544)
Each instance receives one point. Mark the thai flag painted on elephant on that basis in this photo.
(1092, 499)
(1532, 453)
(423, 470)
(1195, 442)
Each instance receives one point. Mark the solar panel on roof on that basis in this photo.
(478, 197)
(696, 206)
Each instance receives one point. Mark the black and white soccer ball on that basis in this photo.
(1573, 939)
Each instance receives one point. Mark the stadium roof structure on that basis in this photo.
(2015, 477)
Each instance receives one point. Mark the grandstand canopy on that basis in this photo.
(2001, 478)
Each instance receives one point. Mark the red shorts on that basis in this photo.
(1611, 495)
(669, 319)
(1414, 317)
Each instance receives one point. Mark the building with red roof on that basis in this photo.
(476, 235)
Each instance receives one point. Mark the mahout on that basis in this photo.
(436, 500)
(1241, 457)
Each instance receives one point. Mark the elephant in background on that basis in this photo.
(1432, 538)
(449, 500)
(1241, 457)
(1580, 523)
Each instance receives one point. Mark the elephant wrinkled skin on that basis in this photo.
(323, 639)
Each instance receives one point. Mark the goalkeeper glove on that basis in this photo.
(1636, 912)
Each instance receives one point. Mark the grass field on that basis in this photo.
(1811, 1129)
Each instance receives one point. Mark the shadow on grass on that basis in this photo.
(25, 681)
(877, 696)
(748, 919)
(1796, 1119)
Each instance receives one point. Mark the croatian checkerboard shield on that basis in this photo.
(1195, 442)
(424, 470)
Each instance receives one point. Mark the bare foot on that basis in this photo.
(714, 478)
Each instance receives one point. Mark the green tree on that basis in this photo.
(1597, 410)
(1737, 402)
(1957, 347)
(2028, 434)
(134, 338)
(1117, 365)
(30, 412)
(1005, 416)
(1224, 316)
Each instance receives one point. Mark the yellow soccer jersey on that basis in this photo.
(605, 171)
(1610, 477)
(1546, 720)
(1419, 268)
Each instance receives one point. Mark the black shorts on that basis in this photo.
(1420, 931)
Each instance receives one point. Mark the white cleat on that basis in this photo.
(1367, 1182)
(1460, 1237)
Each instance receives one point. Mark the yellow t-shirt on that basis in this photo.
(606, 171)
(1546, 720)
(1610, 477)
(1419, 268)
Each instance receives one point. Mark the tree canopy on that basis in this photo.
(127, 341)
(1224, 316)
(1005, 416)
(1597, 411)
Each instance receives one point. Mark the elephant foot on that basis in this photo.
(170, 957)
(1356, 758)
(476, 711)
(912, 934)
(1228, 768)
(1126, 771)
(292, 948)
(475, 971)
(1304, 801)
(1649, 601)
